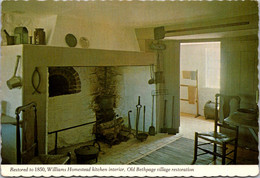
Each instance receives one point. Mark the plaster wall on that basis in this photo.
(239, 75)
(134, 81)
(170, 63)
(12, 20)
(193, 57)
(10, 99)
(100, 35)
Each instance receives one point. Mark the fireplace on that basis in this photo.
(109, 127)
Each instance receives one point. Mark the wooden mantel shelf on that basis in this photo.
(49, 56)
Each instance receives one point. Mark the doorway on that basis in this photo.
(199, 82)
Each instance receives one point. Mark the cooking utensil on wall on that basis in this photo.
(36, 72)
(152, 128)
(15, 81)
(9, 39)
(21, 35)
(164, 129)
(152, 80)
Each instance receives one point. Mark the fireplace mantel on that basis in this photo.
(65, 56)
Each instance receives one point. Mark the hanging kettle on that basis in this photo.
(15, 81)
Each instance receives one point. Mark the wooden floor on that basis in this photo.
(135, 152)
(180, 152)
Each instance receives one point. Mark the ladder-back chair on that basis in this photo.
(29, 153)
(216, 138)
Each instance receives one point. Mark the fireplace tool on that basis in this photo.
(152, 128)
(164, 128)
(129, 124)
(139, 136)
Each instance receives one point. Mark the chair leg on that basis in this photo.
(235, 152)
(224, 154)
(215, 151)
(195, 148)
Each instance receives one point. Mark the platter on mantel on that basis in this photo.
(71, 40)
(84, 43)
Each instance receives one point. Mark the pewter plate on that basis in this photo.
(71, 40)
(84, 43)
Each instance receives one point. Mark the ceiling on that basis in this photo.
(134, 13)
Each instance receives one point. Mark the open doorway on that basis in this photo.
(199, 82)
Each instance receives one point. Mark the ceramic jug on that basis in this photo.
(39, 36)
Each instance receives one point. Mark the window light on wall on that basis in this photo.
(213, 66)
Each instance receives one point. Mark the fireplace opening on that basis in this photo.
(109, 127)
(63, 81)
(58, 85)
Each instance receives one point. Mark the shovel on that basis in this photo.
(15, 81)
(172, 130)
(151, 128)
(164, 129)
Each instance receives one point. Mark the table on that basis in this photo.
(243, 119)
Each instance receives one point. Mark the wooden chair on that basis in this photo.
(217, 139)
(29, 155)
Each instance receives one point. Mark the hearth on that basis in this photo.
(109, 127)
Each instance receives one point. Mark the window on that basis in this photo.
(213, 66)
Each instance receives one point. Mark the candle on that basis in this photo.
(30, 32)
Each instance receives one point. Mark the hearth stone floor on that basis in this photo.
(125, 152)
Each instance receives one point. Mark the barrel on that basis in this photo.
(209, 110)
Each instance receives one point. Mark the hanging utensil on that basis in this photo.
(151, 81)
(15, 81)
(152, 128)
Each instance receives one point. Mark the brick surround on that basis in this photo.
(63, 80)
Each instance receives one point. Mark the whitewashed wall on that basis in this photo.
(239, 75)
(10, 99)
(11, 21)
(134, 84)
(70, 110)
(100, 35)
(193, 57)
(74, 109)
